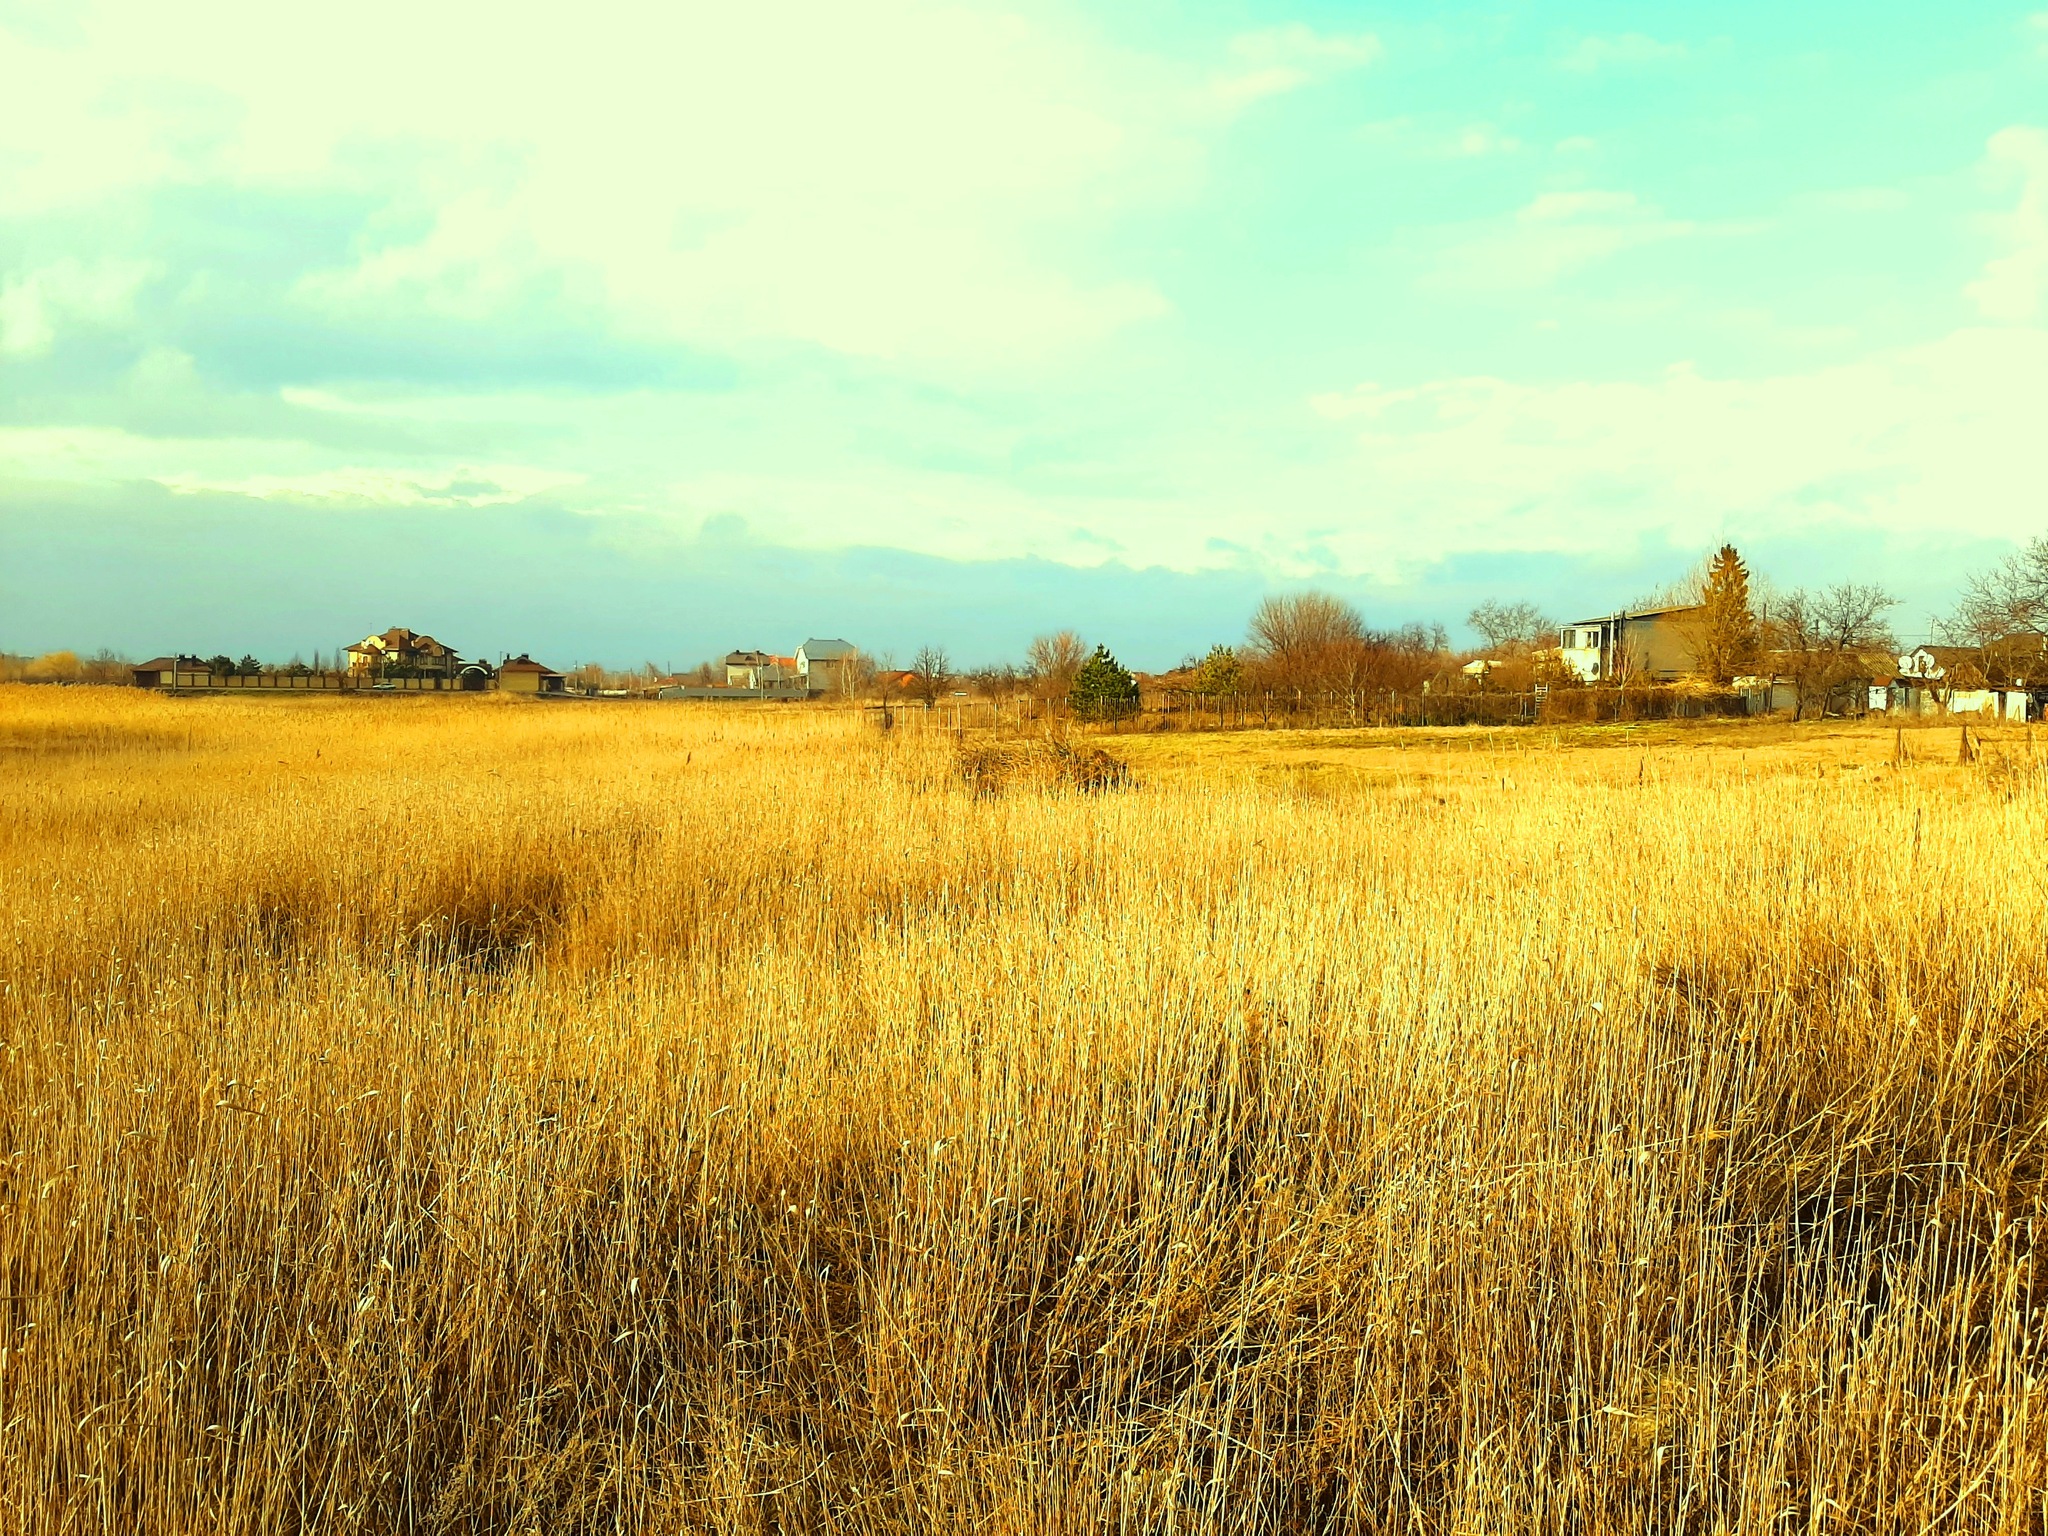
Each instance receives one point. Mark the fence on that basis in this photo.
(299, 682)
(1304, 709)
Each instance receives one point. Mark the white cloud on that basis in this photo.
(1620, 50)
(300, 472)
(35, 305)
(1554, 235)
(1485, 139)
(2013, 285)
(894, 178)
(1433, 141)
(1908, 442)
(1855, 200)
(466, 486)
(1275, 60)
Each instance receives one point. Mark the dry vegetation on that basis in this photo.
(467, 1115)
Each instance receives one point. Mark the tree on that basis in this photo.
(107, 666)
(1306, 640)
(993, 682)
(1219, 674)
(1102, 689)
(931, 671)
(1513, 629)
(54, 667)
(2003, 616)
(1052, 660)
(1818, 639)
(248, 666)
(220, 666)
(856, 675)
(2012, 597)
(1727, 641)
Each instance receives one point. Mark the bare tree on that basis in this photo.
(1052, 660)
(1513, 629)
(1305, 640)
(2003, 616)
(856, 675)
(2013, 595)
(106, 666)
(994, 682)
(932, 671)
(1820, 640)
(1316, 643)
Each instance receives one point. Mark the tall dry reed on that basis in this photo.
(468, 1115)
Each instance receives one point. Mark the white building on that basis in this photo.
(1651, 645)
(824, 666)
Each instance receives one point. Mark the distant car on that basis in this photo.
(384, 687)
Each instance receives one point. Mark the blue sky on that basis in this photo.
(640, 331)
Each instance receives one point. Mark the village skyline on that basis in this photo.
(675, 618)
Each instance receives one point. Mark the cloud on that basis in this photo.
(1275, 60)
(2037, 29)
(898, 179)
(1897, 445)
(1554, 235)
(35, 305)
(1618, 51)
(1435, 141)
(2013, 285)
(1485, 139)
(467, 486)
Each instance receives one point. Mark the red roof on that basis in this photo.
(528, 664)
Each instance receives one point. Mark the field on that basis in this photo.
(501, 1116)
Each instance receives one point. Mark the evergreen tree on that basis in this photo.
(1103, 690)
(1220, 672)
(1728, 640)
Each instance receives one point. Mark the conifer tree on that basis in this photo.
(1102, 689)
(1219, 673)
(1728, 640)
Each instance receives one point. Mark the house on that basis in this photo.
(173, 672)
(1969, 680)
(1648, 645)
(2011, 662)
(826, 666)
(403, 653)
(750, 669)
(522, 674)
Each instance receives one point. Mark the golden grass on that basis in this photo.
(480, 1115)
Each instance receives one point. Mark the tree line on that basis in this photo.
(1824, 640)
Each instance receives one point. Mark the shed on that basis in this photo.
(522, 674)
(171, 671)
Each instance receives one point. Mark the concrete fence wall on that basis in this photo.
(311, 682)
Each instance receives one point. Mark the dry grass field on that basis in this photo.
(473, 1115)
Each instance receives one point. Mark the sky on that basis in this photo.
(637, 332)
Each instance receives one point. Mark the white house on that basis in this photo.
(824, 666)
(1652, 644)
(752, 669)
